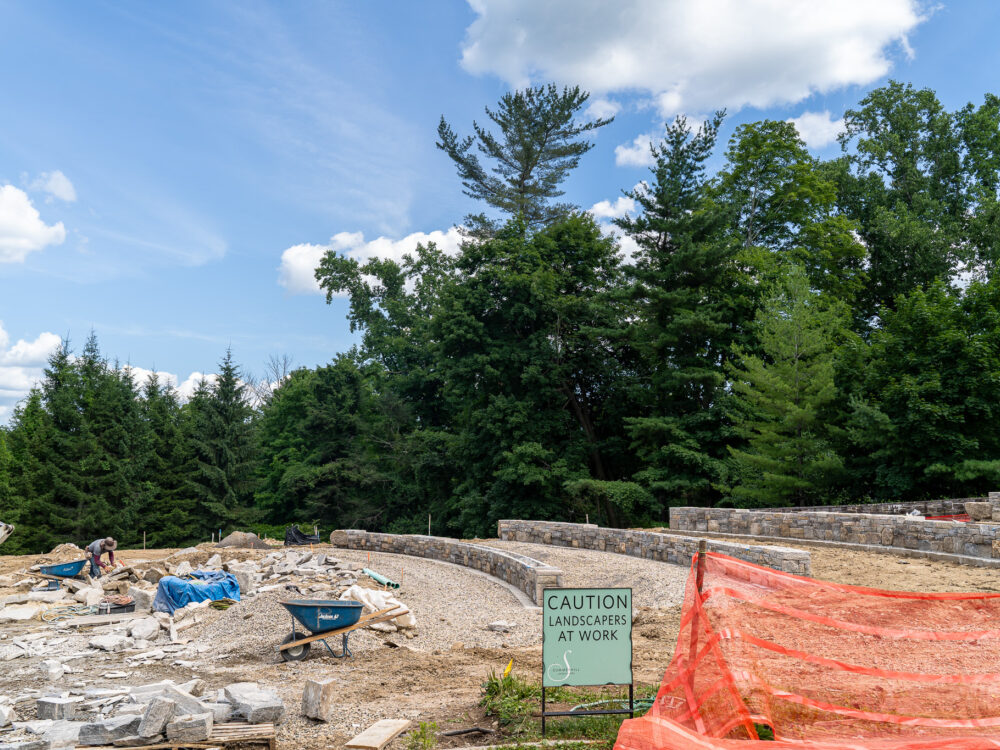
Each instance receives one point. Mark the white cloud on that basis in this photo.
(56, 184)
(691, 56)
(190, 385)
(818, 129)
(21, 366)
(22, 230)
(299, 262)
(608, 210)
(636, 154)
(601, 108)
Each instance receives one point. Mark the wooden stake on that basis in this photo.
(699, 580)
(144, 541)
(428, 524)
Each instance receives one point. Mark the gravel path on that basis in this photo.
(451, 605)
(654, 584)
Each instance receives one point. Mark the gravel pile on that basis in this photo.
(653, 584)
(430, 590)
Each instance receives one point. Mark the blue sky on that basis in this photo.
(169, 172)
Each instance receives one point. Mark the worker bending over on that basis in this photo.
(94, 551)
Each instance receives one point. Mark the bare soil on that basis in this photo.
(437, 674)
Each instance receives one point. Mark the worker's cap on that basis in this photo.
(109, 543)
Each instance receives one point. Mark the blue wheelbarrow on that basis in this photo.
(327, 618)
(56, 573)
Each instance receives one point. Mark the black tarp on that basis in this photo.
(295, 538)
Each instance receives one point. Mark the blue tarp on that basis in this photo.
(173, 592)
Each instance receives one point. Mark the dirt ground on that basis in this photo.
(421, 679)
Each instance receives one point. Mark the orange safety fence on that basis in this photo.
(825, 666)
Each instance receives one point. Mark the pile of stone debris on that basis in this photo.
(308, 572)
(133, 716)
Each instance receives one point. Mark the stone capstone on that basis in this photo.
(979, 511)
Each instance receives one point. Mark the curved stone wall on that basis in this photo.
(963, 543)
(671, 548)
(529, 575)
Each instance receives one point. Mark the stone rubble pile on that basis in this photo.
(142, 715)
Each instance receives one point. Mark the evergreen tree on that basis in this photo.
(688, 295)
(785, 396)
(537, 147)
(169, 514)
(219, 433)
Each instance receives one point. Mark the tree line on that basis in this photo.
(781, 330)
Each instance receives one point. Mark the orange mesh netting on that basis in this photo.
(825, 666)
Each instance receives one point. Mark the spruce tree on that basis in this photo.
(784, 396)
(219, 433)
(167, 516)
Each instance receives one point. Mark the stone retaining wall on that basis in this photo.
(669, 548)
(977, 540)
(529, 575)
(945, 507)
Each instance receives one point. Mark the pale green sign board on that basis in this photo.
(586, 637)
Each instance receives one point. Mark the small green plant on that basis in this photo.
(424, 737)
(509, 697)
(764, 732)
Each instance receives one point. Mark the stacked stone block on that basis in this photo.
(529, 575)
(669, 548)
(975, 540)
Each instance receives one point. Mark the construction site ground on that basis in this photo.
(433, 672)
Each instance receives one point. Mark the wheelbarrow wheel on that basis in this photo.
(295, 653)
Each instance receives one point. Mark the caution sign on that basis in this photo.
(586, 637)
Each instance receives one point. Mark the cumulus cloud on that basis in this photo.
(22, 230)
(608, 210)
(818, 129)
(691, 56)
(56, 184)
(601, 108)
(21, 365)
(299, 262)
(635, 154)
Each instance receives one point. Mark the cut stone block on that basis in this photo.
(196, 728)
(183, 568)
(145, 628)
(222, 712)
(254, 704)
(56, 708)
(111, 642)
(158, 715)
(143, 599)
(52, 669)
(319, 699)
(107, 731)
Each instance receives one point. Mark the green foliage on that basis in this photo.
(688, 294)
(784, 398)
(785, 330)
(510, 698)
(538, 145)
(424, 737)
